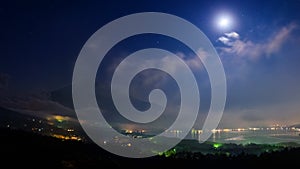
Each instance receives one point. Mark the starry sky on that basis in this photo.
(257, 41)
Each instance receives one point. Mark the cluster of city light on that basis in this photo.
(295, 129)
(128, 131)
(62, 137)
(125, 143)
(58, 118)
(194, 131)
(175, 131)
(197, 131)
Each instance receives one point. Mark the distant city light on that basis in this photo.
(60, 119)
(59, 136)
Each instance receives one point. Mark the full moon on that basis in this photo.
(224, 22)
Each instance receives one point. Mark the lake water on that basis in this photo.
(258, 137)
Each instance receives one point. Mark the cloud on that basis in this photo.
(193, 61)
(167, 63)
(36, 106)
(229, 38)
(224, 40)
(251, 50)
(277, 41)
(233, 35)
(149, 80)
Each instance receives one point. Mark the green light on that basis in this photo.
(59, 119)
(217, 145)
(170, 152)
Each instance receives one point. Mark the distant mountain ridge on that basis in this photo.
(9, 118)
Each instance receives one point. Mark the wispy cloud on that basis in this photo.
(252, 50)
(193, 61)
(40, 107)
(167, 63)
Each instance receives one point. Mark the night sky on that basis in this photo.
(257, 41)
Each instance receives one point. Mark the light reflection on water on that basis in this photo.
(258, 137)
